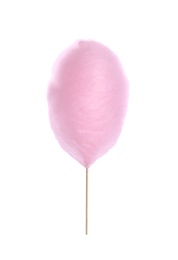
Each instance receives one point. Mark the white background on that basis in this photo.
(133, 189)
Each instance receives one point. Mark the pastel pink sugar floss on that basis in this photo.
(87, 98)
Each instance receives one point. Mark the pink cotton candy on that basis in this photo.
(87, 97)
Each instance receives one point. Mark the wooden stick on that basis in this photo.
(86, 201)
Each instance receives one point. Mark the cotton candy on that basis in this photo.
(87, 99)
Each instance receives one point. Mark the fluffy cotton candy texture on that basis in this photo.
(87, 97)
